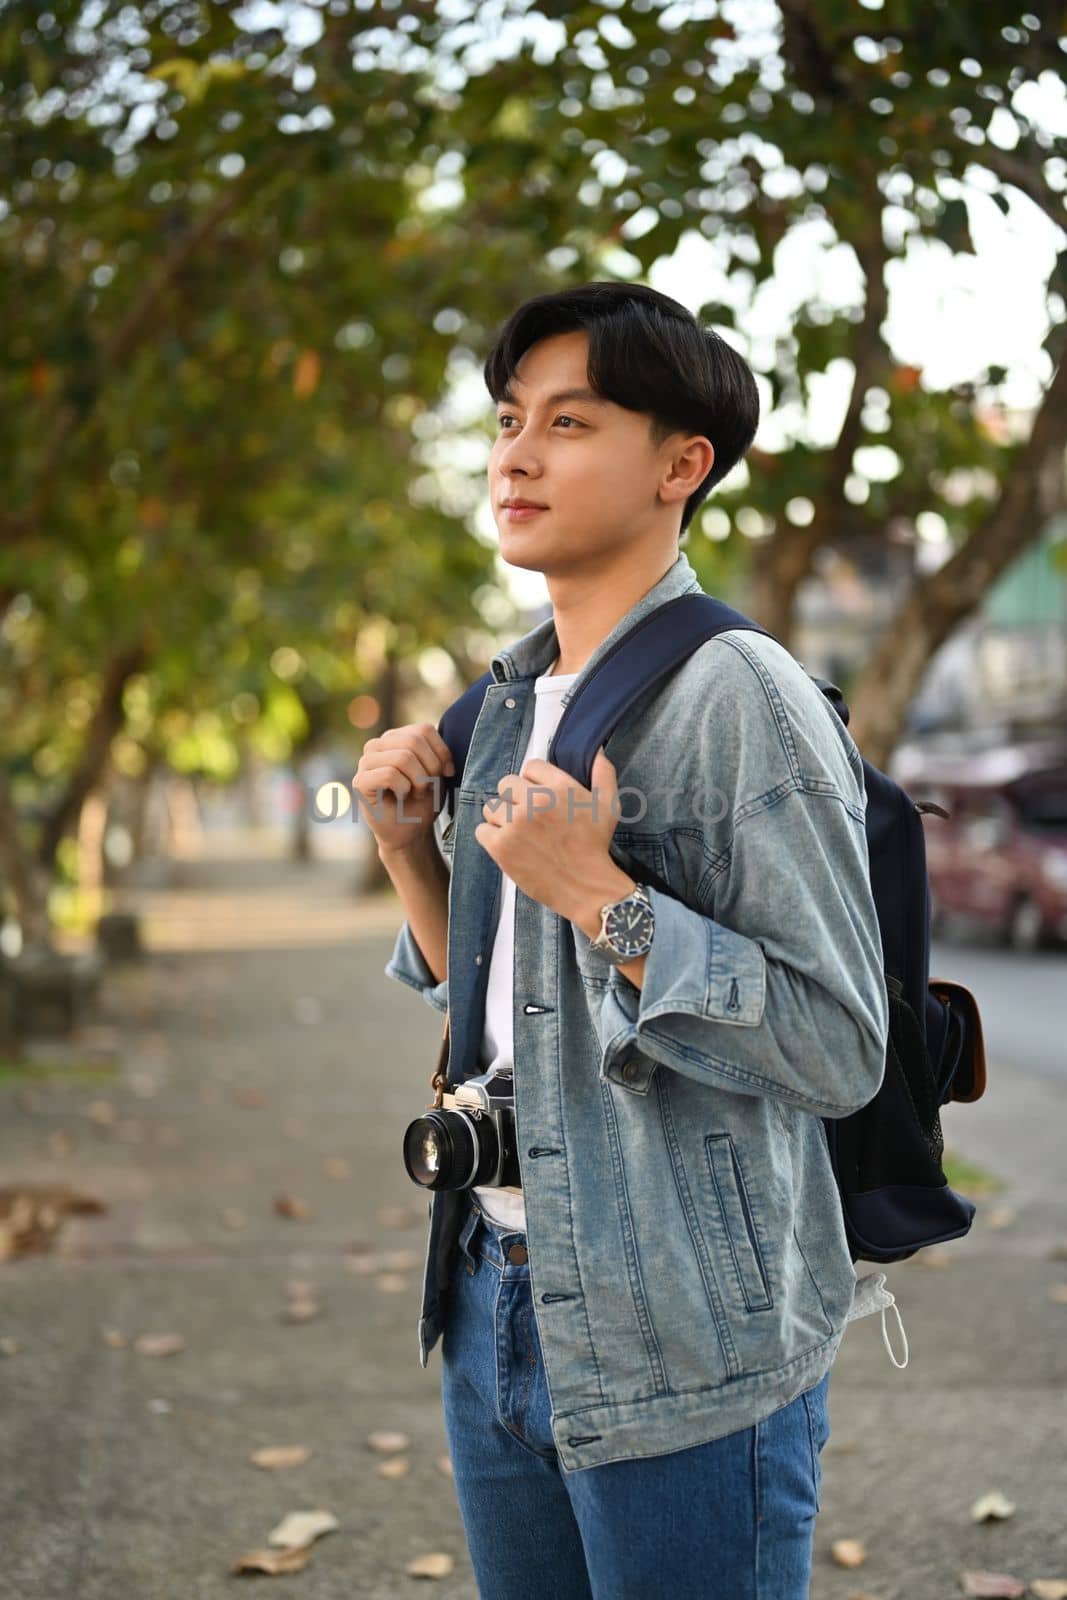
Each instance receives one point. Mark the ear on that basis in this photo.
(689, 468)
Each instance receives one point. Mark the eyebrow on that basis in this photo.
(588, 395)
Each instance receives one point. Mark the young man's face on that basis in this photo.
(588, 461)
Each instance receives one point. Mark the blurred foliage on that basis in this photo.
(245, 251)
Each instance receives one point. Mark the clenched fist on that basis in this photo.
(394, 783)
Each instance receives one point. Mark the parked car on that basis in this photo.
(1000, 856)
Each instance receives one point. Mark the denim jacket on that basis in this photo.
(689, 1267)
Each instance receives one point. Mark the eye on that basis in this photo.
(507, 417)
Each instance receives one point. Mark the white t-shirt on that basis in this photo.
(498, 1039)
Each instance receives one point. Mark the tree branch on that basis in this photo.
(1030, 179)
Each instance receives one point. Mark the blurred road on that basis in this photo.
(1022, 998)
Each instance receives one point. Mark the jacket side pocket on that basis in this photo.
(738, 1224)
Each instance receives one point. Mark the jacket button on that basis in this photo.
(477, 961)
(509, 702)
(518, 1255)
(630, 1071)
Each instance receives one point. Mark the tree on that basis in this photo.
(245, 263)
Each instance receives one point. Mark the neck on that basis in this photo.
(586, 606)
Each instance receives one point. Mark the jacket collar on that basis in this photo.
(534, 653)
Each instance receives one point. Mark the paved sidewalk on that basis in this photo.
(262, 1052)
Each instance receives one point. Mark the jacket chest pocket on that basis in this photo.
(737, 1221)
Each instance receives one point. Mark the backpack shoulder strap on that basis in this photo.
(456, 727)
(645, 655)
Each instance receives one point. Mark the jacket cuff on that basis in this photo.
(695, 967)
(408, 964)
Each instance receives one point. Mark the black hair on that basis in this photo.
(649, 354)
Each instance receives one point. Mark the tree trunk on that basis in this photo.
(24, 876)
(1032, 494)
(107, 721)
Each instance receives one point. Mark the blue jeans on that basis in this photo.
(732, 1519)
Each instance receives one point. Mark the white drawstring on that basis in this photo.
(871, 1294)
(903, 1335)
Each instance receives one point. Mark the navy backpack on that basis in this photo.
(887, 1157)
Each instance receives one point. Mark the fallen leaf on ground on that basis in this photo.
(61, 1143)
(336, 1167)
(280, 1455)
(1049, 1588)
(444, 1464)
(101, 1112)
(935, 1256)
(159, 1344)
(274, 1562)
(363, 1265)
(1058, 1253)
(401, 1260)
(862, 1594)
(388, 1441)
(391, 1282)
(290, 1205)
(300, 1289)
(233, 1218)
(1000, 1217)
(302, 1528)
(992, 1507)
(395, 1467)
(992, 1586)
(301, 1311)
(398, 1217)
(849, 1552)
(1058, 1293)
(114, 1338)
(30, 1215)
(250, 1099)
(847, 1447)
(9, 1347)
(436, 1565)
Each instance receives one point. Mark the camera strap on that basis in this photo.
(439, 1081)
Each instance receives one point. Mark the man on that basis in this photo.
(637, 1343)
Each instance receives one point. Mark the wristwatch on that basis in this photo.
(626, 927)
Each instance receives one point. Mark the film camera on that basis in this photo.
(470, 1140)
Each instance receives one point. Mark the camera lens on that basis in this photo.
(445, 1150)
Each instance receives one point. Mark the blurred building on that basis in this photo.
(1003, 674)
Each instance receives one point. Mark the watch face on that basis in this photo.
(629, 926)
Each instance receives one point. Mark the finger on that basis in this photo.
(432, 752)
(494, 815)
(485, 835)
(378, 763)
(385, 780)
(546, 774)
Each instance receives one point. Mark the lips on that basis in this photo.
(524, 505)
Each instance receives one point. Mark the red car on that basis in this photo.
(1000, 858)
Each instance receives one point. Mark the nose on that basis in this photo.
(516, 455)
